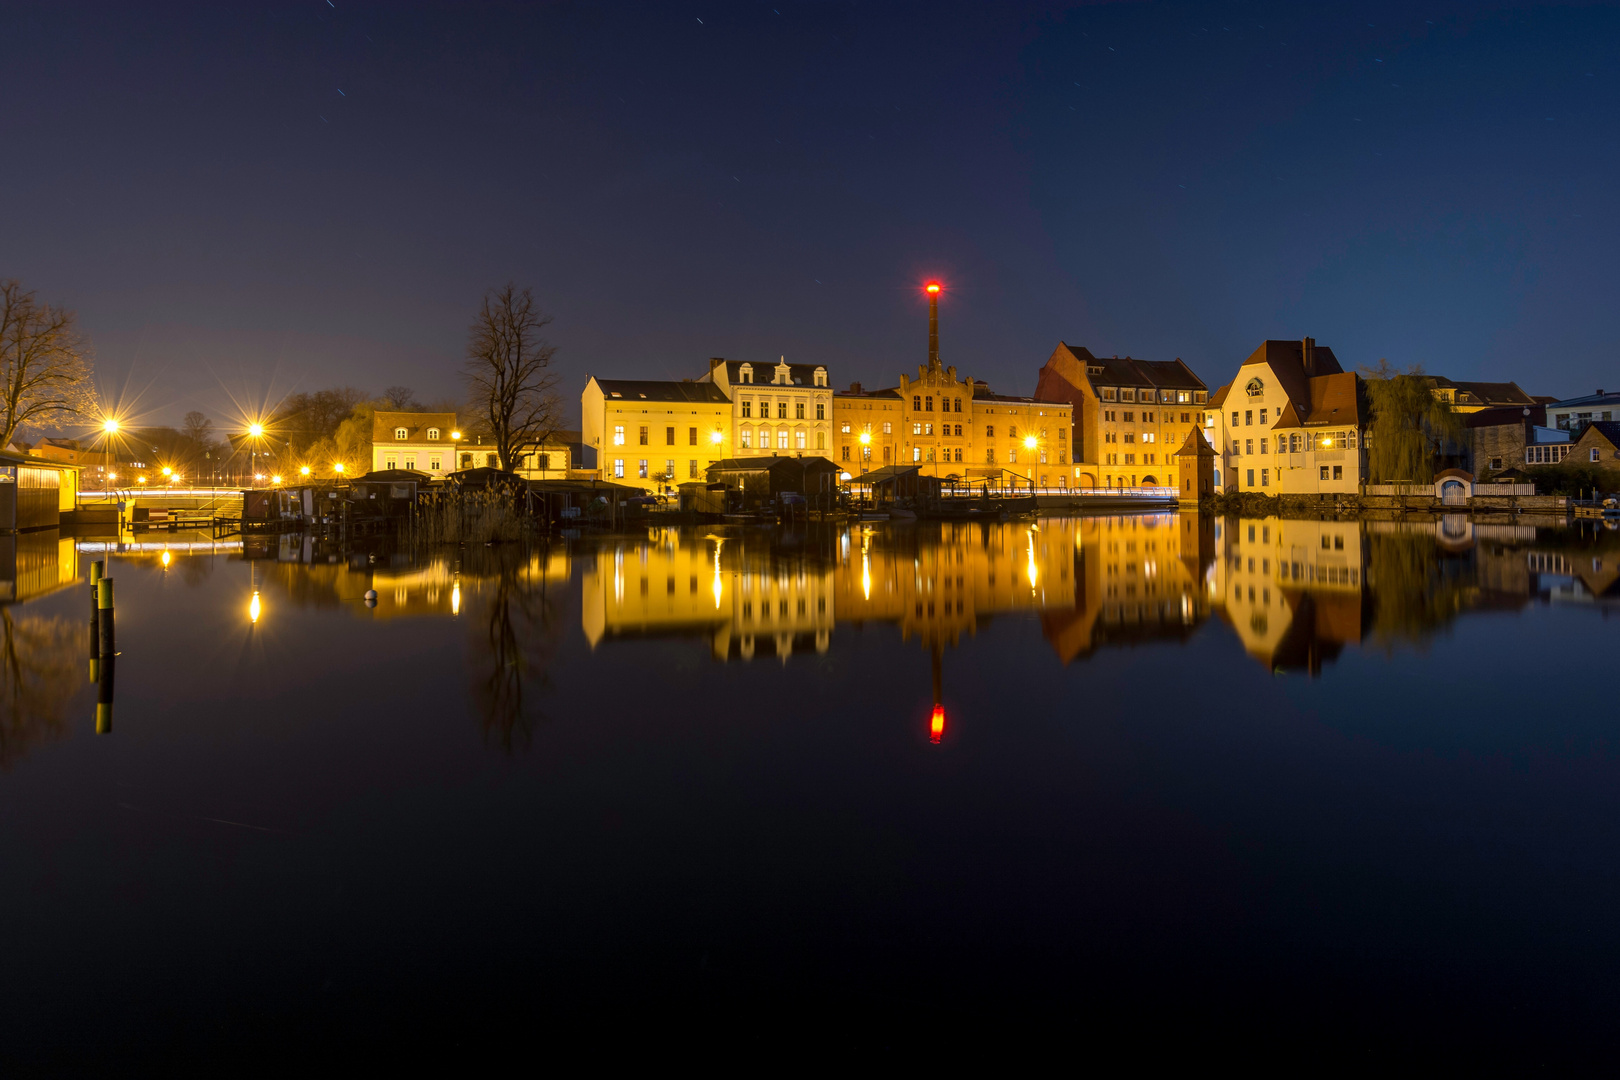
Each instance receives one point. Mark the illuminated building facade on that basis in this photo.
(1131, 417)
(1293, 422)
(414, 440)
(654, 434)
(781, 409)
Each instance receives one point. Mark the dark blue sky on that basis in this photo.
(248, 199)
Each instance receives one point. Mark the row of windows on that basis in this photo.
(1130, 459)
(1176, 397)
(888, 428)
(669, 472)
(1296, 443)
(781, 409)
(468, 460)
(643, 433)
(402, 434)
(786, 439)
(925, 403)
(1130, 437)
(745, 374)
(1110, 416)
(1546, 455)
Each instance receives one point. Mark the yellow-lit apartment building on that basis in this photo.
(654, 434)
(953, 428)
(1131, 416)
(781, 409)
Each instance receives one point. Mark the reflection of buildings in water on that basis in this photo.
(939, 579)
(1291, 590)
(748, 593)
(1137, 578)
(35, 563)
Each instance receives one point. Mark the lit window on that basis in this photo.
(641, 468)
(798, 439)
(400, 433)
(782, 439)
(618, 436)
(748, 438)
(433, 434)
(433, 465)
(887, 430)
(618, 466)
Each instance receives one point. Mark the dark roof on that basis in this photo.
(1609, 429)
(889, 392)
(1129, 371)
(583, 485)
(767, 464)
(1506, 416)
(801, 374)
(1293, 367)
(1599, 398)
(658, 390)
(416, 424)
(388, 476)
(885, 474)
(1195, 443)
(1483, 393)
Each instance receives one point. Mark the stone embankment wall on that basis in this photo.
(1253, 504)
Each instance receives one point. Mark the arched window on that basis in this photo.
(433, 434)
(400, 433)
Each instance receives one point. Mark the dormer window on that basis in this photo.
(400, 434)
(433, 434)
(1109, 393)
(821, 376)
(1127, 394)
(746, 373)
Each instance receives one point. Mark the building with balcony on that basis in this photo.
(1293, 422)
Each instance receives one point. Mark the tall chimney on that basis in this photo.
(714, 362)
(1307, 353)
(933, 328)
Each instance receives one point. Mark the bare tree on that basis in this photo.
(508, 374)
(44, 363)
(198, 428)
(399, 398)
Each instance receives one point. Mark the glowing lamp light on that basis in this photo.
(255, 430)
(258, 476)
(140, 479)
(275, 479)
(1326, 441)
(932, 287)
(303, 471)
(455, 599)
(455, 434)
(110, 427)
(337, 467)
(112, 476)
(715, 437)
(936, 724)
(866, 438)
(167, 471)
(253, 607)
(1029, 441)
(166, 558)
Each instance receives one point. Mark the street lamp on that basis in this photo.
(304, 471)
(715, 437)
(337, 467)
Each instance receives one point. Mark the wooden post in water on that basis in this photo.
(104, 697)
(104, 615)
(95, 622)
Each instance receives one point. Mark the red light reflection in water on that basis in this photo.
(936, 724)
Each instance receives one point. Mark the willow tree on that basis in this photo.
(1409, 427)
(509, 378)
(45, 378)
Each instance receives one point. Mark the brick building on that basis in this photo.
(1131, 417)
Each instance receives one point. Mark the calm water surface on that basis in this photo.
(1147, 784)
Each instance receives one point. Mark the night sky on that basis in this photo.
(242, 200)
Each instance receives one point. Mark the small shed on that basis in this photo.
(34, 492)
(893, 482)
(751, 482)
(569, 501)
(388, 492)
(701, 498)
